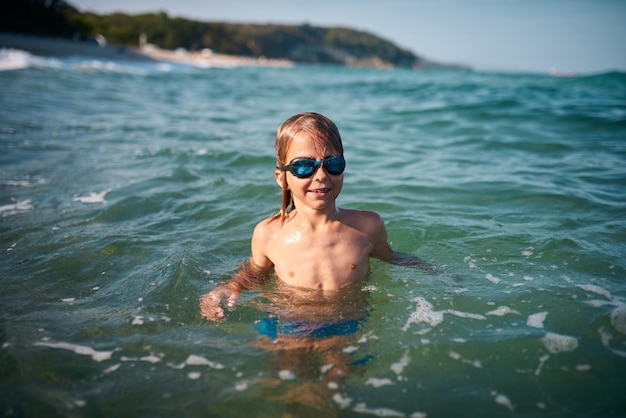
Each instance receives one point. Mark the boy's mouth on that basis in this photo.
(320, 191)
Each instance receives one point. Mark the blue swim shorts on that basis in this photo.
(273, 326)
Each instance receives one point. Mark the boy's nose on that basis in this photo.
(320, 172)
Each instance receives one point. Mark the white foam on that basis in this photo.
(398, 367)
(14, 59)
(462, 314)
(542, 360)
(362, 408)
(176, 366)
(502, 310)
(195, 360)
(18, 183)
(471, 263)
(81, 403)
(456, 356)
(493, 279)
(618, 319)
(536, 320)
(423, 313)
(366, 337)
(112, 368)
(342, 401)
(79, 349)
(606, 338)
(241, 386)
(93, 197)
(326, 368)
(502, 400)
(149, 358)
(14, 209)
(376, 382)
(596, 289)
(556, 343)
(29, 182)
(286, 375)
(194, 375)
(597, 303)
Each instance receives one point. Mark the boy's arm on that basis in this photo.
(410, 260)
(383, 251)
(246, 277)
(253, 272)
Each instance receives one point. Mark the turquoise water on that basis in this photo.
(128, 190)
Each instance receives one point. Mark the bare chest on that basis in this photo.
(321, 261)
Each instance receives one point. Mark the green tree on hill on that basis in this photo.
(300, 43)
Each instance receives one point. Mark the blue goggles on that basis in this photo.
(305, 167)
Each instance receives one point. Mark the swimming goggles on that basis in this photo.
(305, 167)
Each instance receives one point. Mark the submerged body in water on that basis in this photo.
(312, 336)
(302, 312)
(128, 189)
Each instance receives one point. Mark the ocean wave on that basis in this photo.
(15, 208)
(15, 59)
(617, 74)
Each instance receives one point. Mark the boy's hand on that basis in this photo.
(211, 303)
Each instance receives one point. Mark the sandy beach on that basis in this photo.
(56, 47)
(208, 58)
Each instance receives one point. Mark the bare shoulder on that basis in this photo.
(372, 225)
(266, 229)
(263, 234)
(365, 221)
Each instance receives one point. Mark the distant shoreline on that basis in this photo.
(58, 47)
(208, 58)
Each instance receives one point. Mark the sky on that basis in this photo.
(581, 36)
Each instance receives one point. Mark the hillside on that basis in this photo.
(297, 43)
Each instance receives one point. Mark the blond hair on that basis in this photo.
(319, 129)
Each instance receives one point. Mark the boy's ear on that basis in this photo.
(279, 175)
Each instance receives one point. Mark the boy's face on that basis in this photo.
(321, 189)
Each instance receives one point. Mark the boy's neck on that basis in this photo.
(316, 218)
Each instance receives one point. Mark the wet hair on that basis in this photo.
(319, 130)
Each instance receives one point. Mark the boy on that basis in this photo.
(310, 243)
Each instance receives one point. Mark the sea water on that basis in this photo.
(128, 190)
